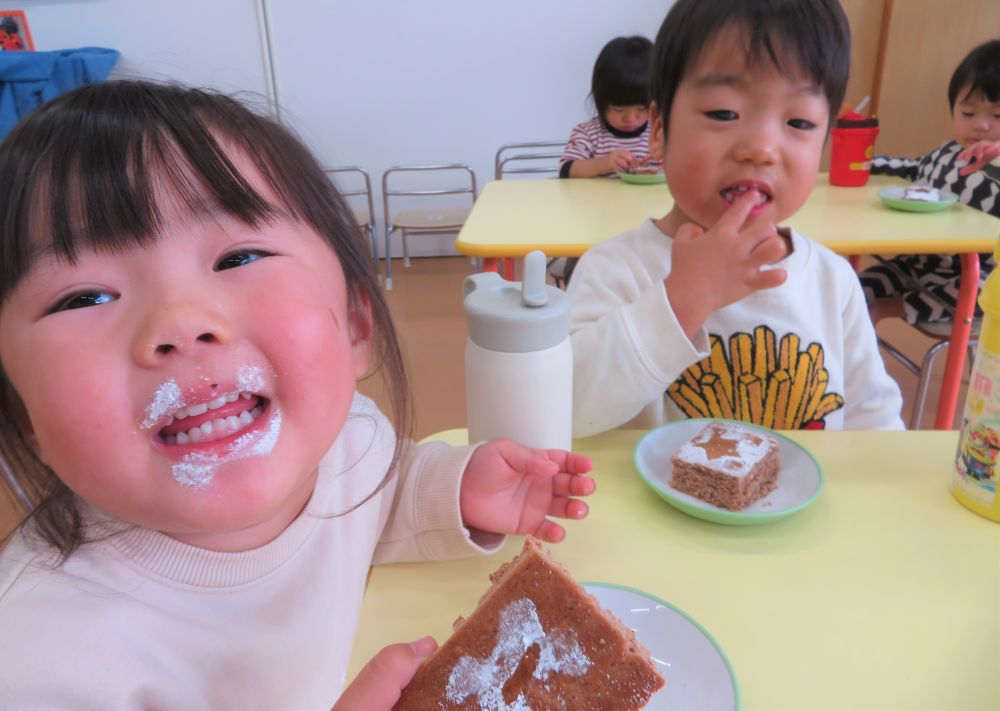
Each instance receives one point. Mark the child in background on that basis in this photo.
(185, 308)
(714, 310)
(618, 136)
(924, 287)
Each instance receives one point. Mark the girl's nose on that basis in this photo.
(177, 330)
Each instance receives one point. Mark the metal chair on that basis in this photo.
(542, 157)
(427, 221)
(365, 217)
(940, 331)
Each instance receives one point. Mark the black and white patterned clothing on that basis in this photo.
(929, 283)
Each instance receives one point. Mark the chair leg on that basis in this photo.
(406, 249)
(388, 258)
(926, 369)
(15, 486)
(373, 236)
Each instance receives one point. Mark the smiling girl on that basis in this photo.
(185, 310)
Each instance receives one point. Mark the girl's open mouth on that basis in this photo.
(222, 418)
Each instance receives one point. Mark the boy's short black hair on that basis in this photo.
(621, 74)
(979, 71)
(813, 35)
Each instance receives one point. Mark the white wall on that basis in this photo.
(373, 82)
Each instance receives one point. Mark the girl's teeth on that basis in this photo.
(215, 429)
(204, 407)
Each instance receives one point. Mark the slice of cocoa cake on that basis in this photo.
(536, 641)
(727, 465)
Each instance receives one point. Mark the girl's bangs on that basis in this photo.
(138, 165)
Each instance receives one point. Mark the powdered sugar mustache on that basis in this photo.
(237, 411)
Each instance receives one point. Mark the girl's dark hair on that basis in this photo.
(85, 171)
(621, 74)
(811, 35)
(979, 71)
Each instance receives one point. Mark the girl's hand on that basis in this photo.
(509, 488)
(716, 268)
(978, 155)
(619, 160)
(380, 683)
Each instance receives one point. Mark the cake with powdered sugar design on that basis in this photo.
(727, 465)
(921, 194)
(537, 641)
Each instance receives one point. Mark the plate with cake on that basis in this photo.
(728, 472)
(698, 673)
(917, 198)
(538, 640)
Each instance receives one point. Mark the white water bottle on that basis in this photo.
(518, 360)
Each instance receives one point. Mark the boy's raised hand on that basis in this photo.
(379, 684)
(978, 155)
(510, 488)
(714, 268)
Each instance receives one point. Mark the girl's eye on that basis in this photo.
(722, 115)
(968, 114)
(240, 258)
(802, 124)
(82, 300)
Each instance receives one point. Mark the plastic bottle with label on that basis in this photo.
(518, 359)
(976, 472)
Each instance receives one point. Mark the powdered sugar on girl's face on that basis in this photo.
(198, 470)
(167, 398)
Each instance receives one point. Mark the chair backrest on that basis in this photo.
(446, 171)
(353, 180)
(538, 158)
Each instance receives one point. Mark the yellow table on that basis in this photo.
(566, 217)
(884, 594)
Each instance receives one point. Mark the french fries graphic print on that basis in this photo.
(761, 381)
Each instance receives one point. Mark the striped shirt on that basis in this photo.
(590, 139)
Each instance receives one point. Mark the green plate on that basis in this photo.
(800, 479)
(893, 197)
(643, 178)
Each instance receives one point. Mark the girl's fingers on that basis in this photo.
(571, 462)
(572, 485)
(562, 507)
(550, 531)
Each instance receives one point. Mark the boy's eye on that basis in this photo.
(722, 115)
(82, 300)
(968, 114)
(802, 124)
(240, 258)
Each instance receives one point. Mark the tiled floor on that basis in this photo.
(427, 306)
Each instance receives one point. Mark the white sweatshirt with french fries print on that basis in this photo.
(802, 355)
